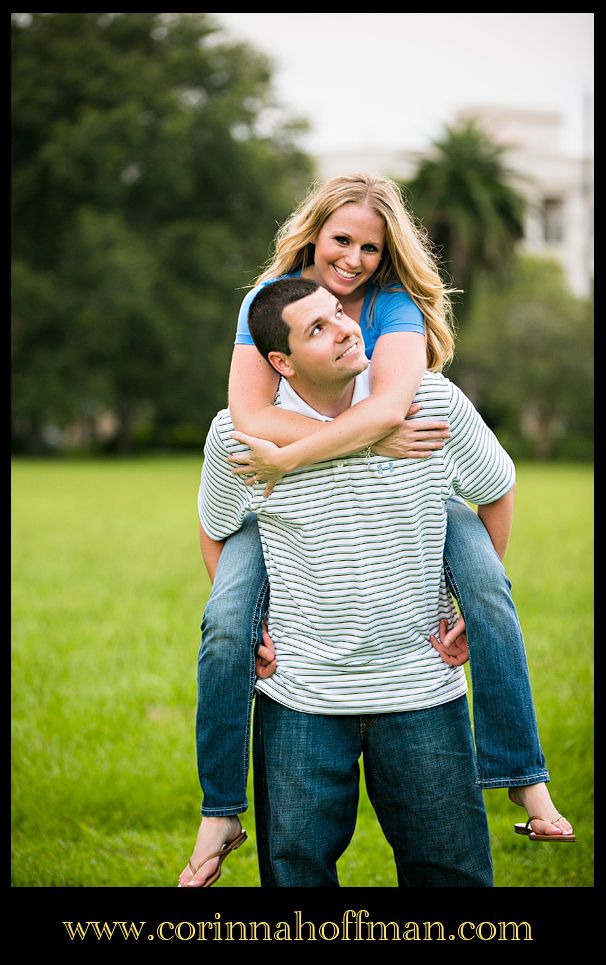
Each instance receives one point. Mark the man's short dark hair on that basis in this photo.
(268, 329)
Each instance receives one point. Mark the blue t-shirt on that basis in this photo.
(393, 311)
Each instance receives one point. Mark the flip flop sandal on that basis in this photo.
(227, 848)
(533, 836)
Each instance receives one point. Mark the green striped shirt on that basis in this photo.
(354, 553)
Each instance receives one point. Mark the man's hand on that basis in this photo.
(265, 664)
(452, 645)
(414, 439)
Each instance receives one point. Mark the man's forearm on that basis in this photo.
(211, 551)
(498, 518)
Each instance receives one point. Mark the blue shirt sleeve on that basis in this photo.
(243, 336)
(391, 311)
(395, 311)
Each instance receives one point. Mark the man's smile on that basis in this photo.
(350, 350)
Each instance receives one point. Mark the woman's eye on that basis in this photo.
(341, 240)
(338, 312)
(370, 248)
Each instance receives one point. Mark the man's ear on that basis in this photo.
(281, 364)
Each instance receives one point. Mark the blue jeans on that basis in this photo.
(507, 742)
(505, 726)
(231, 632)
(420, 775)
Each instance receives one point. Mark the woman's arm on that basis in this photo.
(397, 369)
(498, 519)
(252, 388)
(211, 551)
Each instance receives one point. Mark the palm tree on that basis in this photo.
(463, 196)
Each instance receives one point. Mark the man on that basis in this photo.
(354, 553)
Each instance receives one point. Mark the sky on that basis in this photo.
(393, 80)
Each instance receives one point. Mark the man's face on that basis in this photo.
(326, 345)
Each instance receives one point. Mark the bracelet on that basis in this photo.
(380, 467)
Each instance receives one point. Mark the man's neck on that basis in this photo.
(329, 401)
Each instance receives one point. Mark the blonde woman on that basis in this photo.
(354, 236)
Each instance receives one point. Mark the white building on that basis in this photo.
(559, 188)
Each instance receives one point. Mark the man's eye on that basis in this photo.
(316, 329)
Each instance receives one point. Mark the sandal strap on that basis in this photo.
(222, 852)
(538, 817)
(215, 854)
(533, 817)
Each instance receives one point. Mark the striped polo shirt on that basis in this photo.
(354, 553)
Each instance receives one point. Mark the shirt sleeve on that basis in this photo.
(478, 467)
(223, 500)
(243, 336)
(395, 311)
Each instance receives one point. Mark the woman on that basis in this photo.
(354, 236)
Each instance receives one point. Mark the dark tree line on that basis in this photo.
(150, 169)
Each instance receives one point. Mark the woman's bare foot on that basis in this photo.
(213, 833)
(535, 799)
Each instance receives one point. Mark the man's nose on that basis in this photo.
(345, 327)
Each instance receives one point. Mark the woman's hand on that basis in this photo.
(262, 462)
(414, 439)
(452, 645)
(265, 663)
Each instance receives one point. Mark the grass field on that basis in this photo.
(108, 590)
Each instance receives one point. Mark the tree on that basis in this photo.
(525, 357)
(150, 166)
(463, 196)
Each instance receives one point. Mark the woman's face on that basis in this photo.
(348, 249)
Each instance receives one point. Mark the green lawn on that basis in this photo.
(108, 590)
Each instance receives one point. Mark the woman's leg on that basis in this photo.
(231, 632)
(506, 735)
(505, 727)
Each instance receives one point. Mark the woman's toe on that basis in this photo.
(564, 825)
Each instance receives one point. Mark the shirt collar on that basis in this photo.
(289, 399)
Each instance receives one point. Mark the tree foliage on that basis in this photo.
(150, 167)
(462, 194)
(525, 357)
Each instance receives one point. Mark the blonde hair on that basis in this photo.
(407, 257)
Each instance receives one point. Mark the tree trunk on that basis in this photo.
(124, 433)
(539, 426)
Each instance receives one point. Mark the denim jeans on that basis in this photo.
(507, 743)
(505, 727)
(231, 632)
(420, 775)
